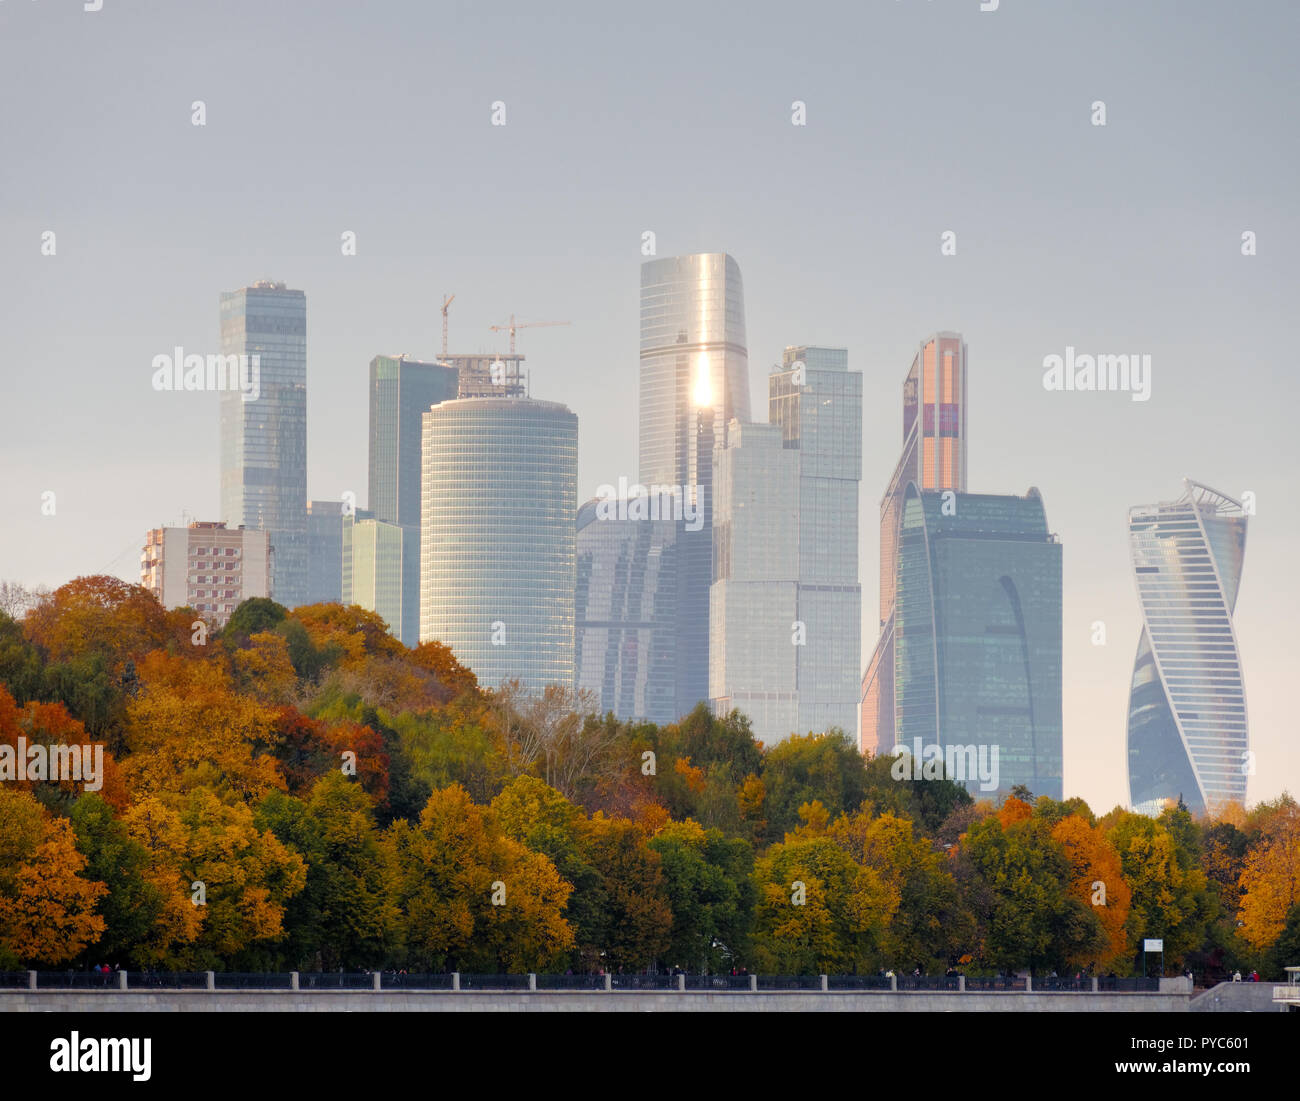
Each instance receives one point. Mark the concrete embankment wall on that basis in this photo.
(1237, 997)
(227, 1001)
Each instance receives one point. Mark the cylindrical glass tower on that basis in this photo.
(498, 554)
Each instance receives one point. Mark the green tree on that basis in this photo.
(344, 915)
(804, 768)
(707, 878)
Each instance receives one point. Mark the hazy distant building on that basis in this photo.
(325, 525)
(694, 381)
(934, 458)
(402, 390)
(754, 636)
(264, 440)
(817, 402)
(625, 611)
(1187, 729)
(498, 546)
(977, 633)
(206, 566)
(376, 554)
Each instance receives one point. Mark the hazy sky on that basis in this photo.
(922, 117)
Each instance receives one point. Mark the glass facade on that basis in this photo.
(934, 457)
(694, 380)
(402, 390)
(754, 600)
(1187, 727)
(819, 411)
(325, 521)
(626, 613)
(498, 559)
(977, 633)
(264, 441)
(376, 552)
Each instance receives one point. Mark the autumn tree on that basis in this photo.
(803, 768)
(1016, 882)
(47, 905)
(1097, 880)
(707, 879)
(632, 902)
(242, 875)
(448, 869)
(344, 916)
(187, 728)
(929, 927)
(1171, 895)
(818, 911)
(1270, 879)
(146, 914)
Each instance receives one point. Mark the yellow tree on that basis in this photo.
(1097, 879)
(47, 909)
(240, 877)
(187, 728)
(471, 896)
(1270, 881)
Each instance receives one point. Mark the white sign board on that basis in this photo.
(1153, 945)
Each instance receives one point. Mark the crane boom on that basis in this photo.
(512, 325)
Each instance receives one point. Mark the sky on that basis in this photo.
(922, 116)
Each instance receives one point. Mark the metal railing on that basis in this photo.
(370, 981)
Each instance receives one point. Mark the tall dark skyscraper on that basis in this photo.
(402, 390)
(1187, 730)
(934, 457)
(264, 440)
(977, 633)
(694, 379)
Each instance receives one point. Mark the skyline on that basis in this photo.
(1064, 241)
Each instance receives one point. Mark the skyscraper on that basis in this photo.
(934, 457)
(817, 401)
(694, 381)
(377, 553)
(754, 636)
(626, 611)
(401, 391)
(977, 633)
(264, 440)
(498, 554)
(325, 525)
(1187, 730)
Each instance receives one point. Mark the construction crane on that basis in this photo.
(513, 325)
(446, 301)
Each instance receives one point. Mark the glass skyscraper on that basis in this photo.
(934, 457)
(498, 546)
(264, 441)
(626, 613)
(694, 380)
(402, 390)
(977, 632)
(819, 408)
(325, 525)
(1187, 732)
(376, 553)
(754, 637)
